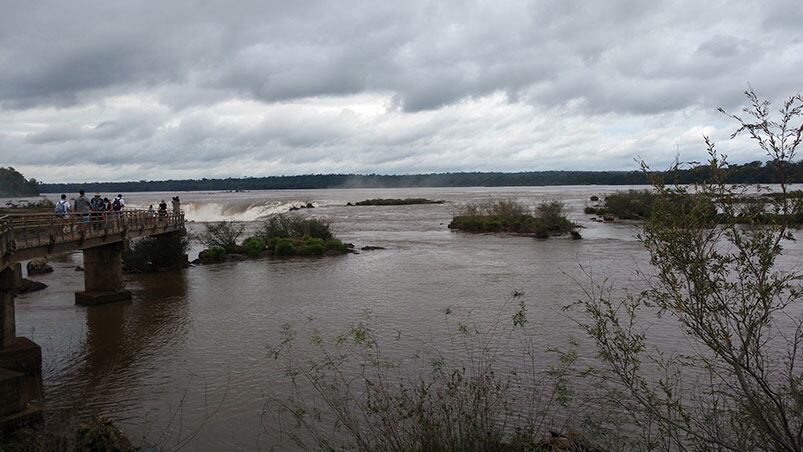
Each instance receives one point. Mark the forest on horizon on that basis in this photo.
(12, 183)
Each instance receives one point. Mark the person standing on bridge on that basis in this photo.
(63, 207)
(82, 206)
(118, 204)
(97, 207)
(162, 209)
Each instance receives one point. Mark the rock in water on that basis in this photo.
(39, 266)
(30, 286)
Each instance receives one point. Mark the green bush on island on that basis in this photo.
(639, 205)
(306, 246)
(512, 216)
(212, 255)
(157, 253)
(289, 226)
(396, 202)
(253, 246)
(279, 235)
(224, 235)
(626, 205)
(283, 247)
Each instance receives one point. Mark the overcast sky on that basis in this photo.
(129, 90)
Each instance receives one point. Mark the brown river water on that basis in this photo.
(197, 341)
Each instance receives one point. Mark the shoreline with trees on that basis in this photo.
(747, 173)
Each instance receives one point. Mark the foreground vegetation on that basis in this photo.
(395, 202)
(738, 386)
(459, 394)
(511, 216)
(279, 235)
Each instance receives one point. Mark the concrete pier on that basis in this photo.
(20, 364)
(103, 275)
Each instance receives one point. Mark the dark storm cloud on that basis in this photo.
(387, 86)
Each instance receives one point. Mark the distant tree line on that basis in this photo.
(13, 183)
(753, 172)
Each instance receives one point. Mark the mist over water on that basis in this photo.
(197, 339)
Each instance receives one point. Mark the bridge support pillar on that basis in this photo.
(103, 275)
(20, 364)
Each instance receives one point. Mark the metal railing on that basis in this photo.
(23, 231)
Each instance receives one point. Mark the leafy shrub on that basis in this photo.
(507, 209)
(553, 219)
(289, 226)
(733, 299)
(101, 434)
(212, 255)
(336, 246)
(511, 216)
(311, 247)
(222, 235)
(253, 246)
(629, 205)
(150, 254)
(284, 247)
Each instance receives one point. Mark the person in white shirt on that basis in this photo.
(63, 207)
(118, 204)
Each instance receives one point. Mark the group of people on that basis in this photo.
(84, 206)
(163, 207)
(102, 206)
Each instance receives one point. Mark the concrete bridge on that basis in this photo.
(101, 238)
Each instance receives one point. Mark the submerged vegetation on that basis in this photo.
(511, 216)
(279, 235)
(395, 202)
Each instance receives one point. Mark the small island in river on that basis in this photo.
(395, 202)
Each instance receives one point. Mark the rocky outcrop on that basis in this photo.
(39, 266)
(28, 286)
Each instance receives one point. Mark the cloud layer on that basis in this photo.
(144, 90)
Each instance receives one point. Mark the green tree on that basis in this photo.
(740, 385)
